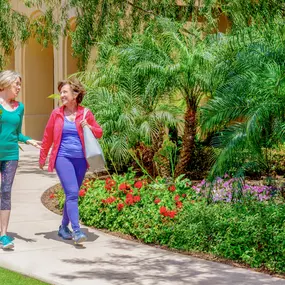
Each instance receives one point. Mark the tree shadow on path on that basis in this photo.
(131, 264)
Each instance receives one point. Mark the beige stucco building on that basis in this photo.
(41, 69)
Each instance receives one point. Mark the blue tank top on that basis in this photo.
(70, 145)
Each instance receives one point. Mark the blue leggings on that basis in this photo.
(71, 172)
(8, 171)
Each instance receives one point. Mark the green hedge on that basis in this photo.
(253, 233)
(176, 216)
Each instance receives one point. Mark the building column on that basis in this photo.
(59, 66)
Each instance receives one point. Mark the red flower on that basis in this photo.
(120, 206)
(172, 188)
(157, 200)
(110, 200)
(51, 196)
(171, 214)
(109, 184)
(137, 199)
(108, 187)
(179, 204)
(184, 195)
(163, 211)
(129, 199)
(177, 197)
(103, 201)
(108, 179)
(82, 193)
(112, 183)
(123, 186)
(138, 184)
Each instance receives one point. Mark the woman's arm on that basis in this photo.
(94, 126)
(21, 137)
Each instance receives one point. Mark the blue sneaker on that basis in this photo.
(64, 232)
(79, 237)
(6, 242)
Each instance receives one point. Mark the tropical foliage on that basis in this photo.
(134, 110)
(246, 111)
(158, 60)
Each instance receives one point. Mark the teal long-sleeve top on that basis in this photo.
(11, 132)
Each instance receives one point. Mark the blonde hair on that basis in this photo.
(7, 78)
(76, 87)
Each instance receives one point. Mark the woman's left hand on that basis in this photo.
(35, 143)
(84, 123)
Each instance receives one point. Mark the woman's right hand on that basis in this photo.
(41, 166)
(35, 143)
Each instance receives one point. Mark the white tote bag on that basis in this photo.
(93, 150)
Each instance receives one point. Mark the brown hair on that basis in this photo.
(76, 87)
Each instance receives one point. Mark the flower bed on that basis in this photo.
(178, 215)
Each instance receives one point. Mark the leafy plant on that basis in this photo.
(246, 111)
(176, 214)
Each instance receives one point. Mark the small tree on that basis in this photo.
(247, 108)
(178, 61)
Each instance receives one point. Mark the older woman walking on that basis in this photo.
(11, 116)
(64, 131)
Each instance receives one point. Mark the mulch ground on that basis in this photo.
(52, 205)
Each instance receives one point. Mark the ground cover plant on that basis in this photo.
(227, 218)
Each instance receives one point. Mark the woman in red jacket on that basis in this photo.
(64, 131)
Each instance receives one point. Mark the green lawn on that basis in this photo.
(8, 277)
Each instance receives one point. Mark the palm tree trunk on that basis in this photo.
(188, 139)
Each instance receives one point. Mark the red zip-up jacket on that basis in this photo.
(53, 133)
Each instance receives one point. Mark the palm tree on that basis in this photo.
(178, 62)
(247, 108)
(128, 106)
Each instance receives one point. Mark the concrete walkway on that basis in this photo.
(105, 260)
